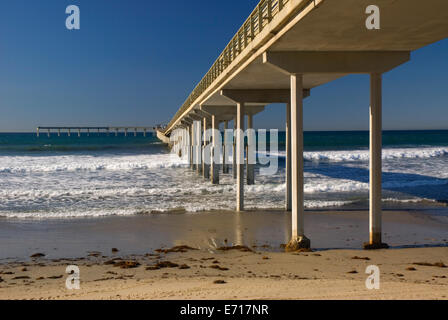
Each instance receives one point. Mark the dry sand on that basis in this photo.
(332, 274)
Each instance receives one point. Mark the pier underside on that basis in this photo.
(308, 44)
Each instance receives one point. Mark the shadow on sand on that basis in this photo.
(412, 184)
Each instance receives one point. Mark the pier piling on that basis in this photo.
(205, 165)
(234, 170)
(288, 195)
(198, 147)
(240, 157)
(225, 168)
(375, 215)
(250, 167)
(299, 240)
(214, 154)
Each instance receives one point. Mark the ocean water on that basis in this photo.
(100, 175)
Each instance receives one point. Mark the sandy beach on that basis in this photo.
(414, 267)
(333, 274)
(253, 150)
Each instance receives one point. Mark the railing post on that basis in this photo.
(245, 35)
(252, 28)
(280, 5)
(239, 42)
(269, 10)
(260, 17)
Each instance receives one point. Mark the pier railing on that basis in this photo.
(262, 15)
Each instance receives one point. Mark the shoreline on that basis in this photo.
(152, 262)
(327, 229)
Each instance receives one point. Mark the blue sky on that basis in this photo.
(134, 62)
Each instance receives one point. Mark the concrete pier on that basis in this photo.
(293, 48)
(191, 143)
(288, 195)
(234, 152)
(205, 165)
(215, 151)
(240, 157)
(299, 240)
(225, 151)
(251, 151)
(107, 130)
(375, 229)
(198, 149)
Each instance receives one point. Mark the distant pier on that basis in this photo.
(88, 130)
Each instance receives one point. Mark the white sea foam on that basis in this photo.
(363, 155)
(61, 186)
(71, 163)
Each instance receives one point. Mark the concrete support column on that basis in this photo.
(205, 166)
(69, 132)
(190, 146)
(250, 174)
(288, 196)
(225, 168)
(234, 170)
(59, 132)
(375, 162)
(299, 240)
(37, 132)
(184, 143)
(214, 150)
(240, 157)
(198, 149)
(79, 133)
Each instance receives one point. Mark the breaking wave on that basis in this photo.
(363, 155)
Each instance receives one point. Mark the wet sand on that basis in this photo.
(72, 238)
(264, 272)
